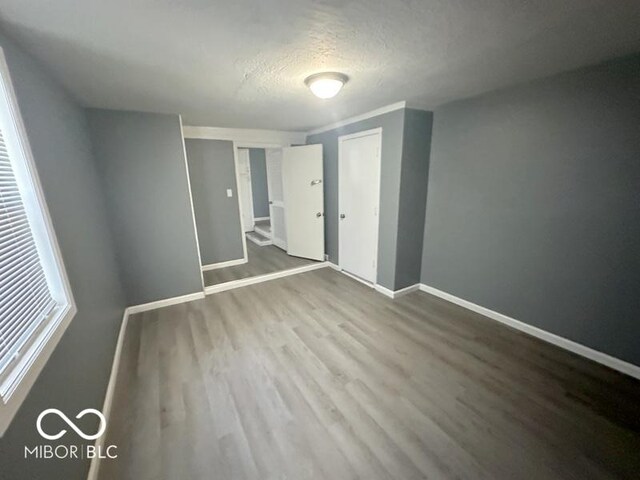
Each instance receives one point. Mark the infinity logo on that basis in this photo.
(103, 424)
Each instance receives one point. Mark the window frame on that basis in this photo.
(19, 378)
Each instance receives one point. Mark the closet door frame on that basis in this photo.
(342, 182)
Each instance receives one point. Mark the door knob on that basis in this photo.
(342, 215)
(319, 214)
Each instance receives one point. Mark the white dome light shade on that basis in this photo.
(326, 85)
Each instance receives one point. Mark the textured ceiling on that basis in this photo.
(238, 63)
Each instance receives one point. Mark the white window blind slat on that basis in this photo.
(17, 235)
(26, 324)
(7, 221)
(26, 300)
(18, 243)
(26, 286)
(18, 267)
(19, 312)
(35, 292)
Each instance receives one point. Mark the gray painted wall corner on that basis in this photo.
(142, 165)
(416, 151)
(533, 208)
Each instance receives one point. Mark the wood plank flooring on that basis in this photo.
(316, 376)
(262, 260)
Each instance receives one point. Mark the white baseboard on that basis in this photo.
(260, 219)
(377, 287)
(396, 293)
(228, 263)
(243, 282)
(577, 348)
(383, 290)
(165, 303)
(108, 398)
(356, 278)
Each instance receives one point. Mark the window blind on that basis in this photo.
(25, 298)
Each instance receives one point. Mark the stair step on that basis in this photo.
(259, 239)
(265, 230)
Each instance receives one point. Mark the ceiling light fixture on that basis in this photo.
(327, 84)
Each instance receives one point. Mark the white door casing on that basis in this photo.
(276, 199)
(359, 157)
(245, 192)
(303, 188)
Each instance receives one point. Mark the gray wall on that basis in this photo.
(142, 164)
(533, 205)
(259, 187)
(212, 172)
(77, 373)
(416, 147)
(392, 124)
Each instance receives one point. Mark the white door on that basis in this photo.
(276, 200)
(359, 201)
(243, 170)
(302, 182)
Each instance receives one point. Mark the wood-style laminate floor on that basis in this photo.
(316, 376)
(261, 260)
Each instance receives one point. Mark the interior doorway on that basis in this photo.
(243, 169)
(280, 203)
(276, 197)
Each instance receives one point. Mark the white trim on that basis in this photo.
(341, 140)
(247, 137)
(359, 118)
(94, 467)
(242, 232)
(383, 290)
(377, 287)
(263, 278)
(396, 293)
(263, 145)
(193, 212)
(363, 133)
(144, 307)
(260, 219)
(228, 263)
(577, 348)
(356, 278)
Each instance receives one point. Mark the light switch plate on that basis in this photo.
(229, 193)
